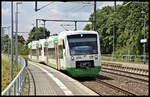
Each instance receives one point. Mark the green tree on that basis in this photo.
(38, 33)
(22, 48)
(4, 43)
(128, 24)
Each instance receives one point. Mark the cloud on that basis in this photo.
(66, 11)
(56, 10)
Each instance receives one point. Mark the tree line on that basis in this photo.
(127, 22)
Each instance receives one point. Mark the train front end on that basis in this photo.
(84, 56)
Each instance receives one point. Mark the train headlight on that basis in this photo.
(72, 57)
(96, 57)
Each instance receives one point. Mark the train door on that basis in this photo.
(46, 52)
(64, 55)
(56, 55)
(37, 53)
(30, 54)
(61, 54)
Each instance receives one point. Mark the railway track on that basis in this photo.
(140, 88)
(132, 70)
(118, 89)
(104, 88)
(125, 71)
(126, 92)
(135, 76)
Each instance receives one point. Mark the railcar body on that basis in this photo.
(77, 52)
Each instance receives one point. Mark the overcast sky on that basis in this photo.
(55, 10)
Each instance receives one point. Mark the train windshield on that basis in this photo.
(82, 44)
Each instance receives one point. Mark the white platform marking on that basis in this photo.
(58, 82)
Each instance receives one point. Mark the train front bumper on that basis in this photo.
(78, 72)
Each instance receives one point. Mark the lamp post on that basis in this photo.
(113, 39)
(114, 31)
(144, 36)
(16, 42)
(44, 29)
(11, 71)
(94, 16)
(16, 34)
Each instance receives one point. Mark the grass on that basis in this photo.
(104, 58)
(26, 87)
(6, 68)
(24, 56)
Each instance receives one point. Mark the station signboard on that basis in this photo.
(21, 38)
(143, 40)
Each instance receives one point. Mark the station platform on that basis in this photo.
(132, 65)
(45, 80)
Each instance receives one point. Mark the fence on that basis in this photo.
(16, 87)
(128, 58)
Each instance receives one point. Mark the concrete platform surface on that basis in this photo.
(48, 81)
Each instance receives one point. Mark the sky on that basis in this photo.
(55, 10)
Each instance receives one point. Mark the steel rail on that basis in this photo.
(125, 71)
(124, 91)
(144, 80)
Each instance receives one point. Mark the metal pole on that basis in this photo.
(16, 37)
(11, 40)
(75, 25)
(44, 29)
(114, 31)
(36, 27)
(113, 40)
(94, 16)
(16, 41)
(8, 42)
(35, 5)
(1, 39)
(36, 22)
(115, 5)
(144, 38)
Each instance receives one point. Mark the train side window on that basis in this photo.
(60, 51)
(44, 51)
(40, 49)
(51, 53)
(63, 45)
(33, 52)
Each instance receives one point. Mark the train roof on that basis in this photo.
(52, 39)
(35, 43)
(41, 41)
(65, 33)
